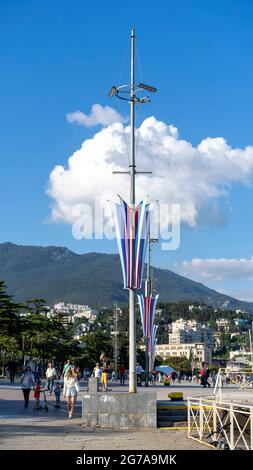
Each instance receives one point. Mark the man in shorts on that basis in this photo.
(106, 365)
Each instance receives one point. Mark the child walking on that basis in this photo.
(37, 390)
(57, 394)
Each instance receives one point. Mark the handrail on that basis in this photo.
(210, 401)
(229, 425)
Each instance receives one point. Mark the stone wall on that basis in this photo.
(120, 409)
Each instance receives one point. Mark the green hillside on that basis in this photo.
(58, 274)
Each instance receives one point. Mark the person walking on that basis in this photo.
(86, 373)
(76, 372)
(57, 394)
(114, 377)
(12, 370)
(97, 372)
(122, 372)
(208, 372)
(66, 368)
(27, 383)
(70, 391)
(214, 377)
(50, 375)
(139, 371)
(202, 374)
(106, 366)
(40, 370)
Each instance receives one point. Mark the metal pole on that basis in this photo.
(149, 261)
(116, 339)
(146, 361)
(251, 346)
(251, 349)
(201, 418)
(132, 171)
(148, 292)
(251, 428)
(231, 417)
(132, 165)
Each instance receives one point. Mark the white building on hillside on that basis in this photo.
(73, 312)
(223, 324)
(76, 310)
(190, 331)
(198, 351)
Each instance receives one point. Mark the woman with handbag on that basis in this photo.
(27, 383)
(70, 390)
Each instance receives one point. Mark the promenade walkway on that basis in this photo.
(22, 428)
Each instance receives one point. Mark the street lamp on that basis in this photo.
(133, 94)
(123, 92)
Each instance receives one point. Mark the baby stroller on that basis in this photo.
(39, 391)
(42, 404)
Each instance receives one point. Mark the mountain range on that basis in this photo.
(58, 274)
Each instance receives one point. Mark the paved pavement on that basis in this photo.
(27, 429)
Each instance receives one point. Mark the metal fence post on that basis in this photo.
(189, 416)
(201, 420)
(251, 428)
(231, 416)
(214, 421)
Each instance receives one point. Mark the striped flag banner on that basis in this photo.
(153, 345)
(132, 229)
(147, 309)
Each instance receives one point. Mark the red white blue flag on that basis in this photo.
(132, 229)
(153, 345)
(147, 309)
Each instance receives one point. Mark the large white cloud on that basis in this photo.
(220, 269)
(104, 115)
(195, 177)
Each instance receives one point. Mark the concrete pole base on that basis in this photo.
(120, 410)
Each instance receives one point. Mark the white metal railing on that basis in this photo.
(220, 425)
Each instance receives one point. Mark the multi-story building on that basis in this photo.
(75, 311)
(241, 355)
(223, 324)
(217, 339)
(178, 337)
(88, 313)
(190, 331)
(239, 321)
(198, 351)
(188, 338)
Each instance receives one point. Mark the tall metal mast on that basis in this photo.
(250, 344)
(132, 169)
(116, 337)
(121, 92)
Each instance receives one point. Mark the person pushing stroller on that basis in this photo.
(37, 391)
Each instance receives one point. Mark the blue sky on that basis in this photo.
(57, 57)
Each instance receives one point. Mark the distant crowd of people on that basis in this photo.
(102, 370)
(65, 380)
(56, 381)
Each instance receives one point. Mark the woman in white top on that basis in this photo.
(70, 391)
(27, 383)
(97, 372)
